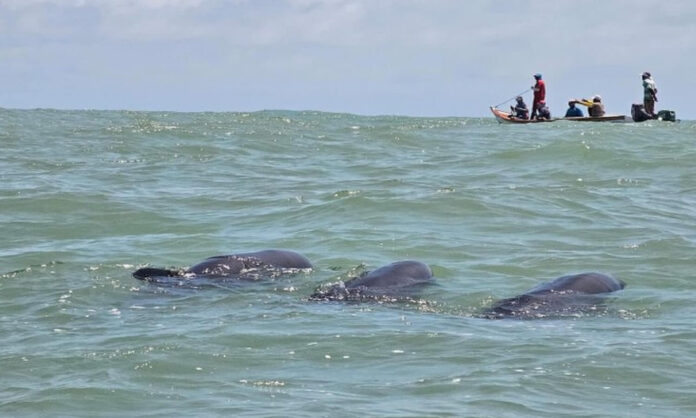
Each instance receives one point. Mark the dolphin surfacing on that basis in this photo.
(243, 266)
(399, 279)
(566, 295)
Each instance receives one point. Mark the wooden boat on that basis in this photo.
(504, 117)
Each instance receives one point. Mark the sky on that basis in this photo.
(370, 57)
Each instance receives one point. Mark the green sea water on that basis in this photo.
(86, 197)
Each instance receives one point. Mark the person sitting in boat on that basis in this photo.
(520, 110)
(573, 112)
(595, 107)
(544, 112)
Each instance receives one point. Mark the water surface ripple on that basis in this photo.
(86, 197)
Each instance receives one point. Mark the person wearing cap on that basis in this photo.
(649, 93)
(539, 95)
(595, 107)
(573, 112)
(520, 109)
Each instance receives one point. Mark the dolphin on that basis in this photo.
(399, 279)
(242, 266)
(569, 295)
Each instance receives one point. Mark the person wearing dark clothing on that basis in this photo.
(573, 112)
(544, 112)
(520, 109)
(649, 93)
(539, 94)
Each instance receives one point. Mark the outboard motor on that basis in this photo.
(667, 115)
(638, 113)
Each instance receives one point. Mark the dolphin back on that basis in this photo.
(399, 279)
(250, 266)
(567, 295)
(280, 258)
(398, 274)
(587, 283)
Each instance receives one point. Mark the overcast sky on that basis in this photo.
(406, 57)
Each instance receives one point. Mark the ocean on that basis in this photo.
(87, 197)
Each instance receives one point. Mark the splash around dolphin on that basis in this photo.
(565, 296)
(243, 266)
(397, 280)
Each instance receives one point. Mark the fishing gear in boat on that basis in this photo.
(513, 97)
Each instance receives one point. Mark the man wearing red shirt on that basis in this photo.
(539, 95)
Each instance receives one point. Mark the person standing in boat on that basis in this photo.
(595, 107)
(573, 112)
(520, 109)
(649, 93)
(539, 95)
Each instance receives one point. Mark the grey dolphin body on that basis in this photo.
(399, 279)
(243, 266)
(567, 295)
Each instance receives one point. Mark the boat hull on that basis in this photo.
(606, 118)
(504, 117)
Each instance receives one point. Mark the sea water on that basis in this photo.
(86, 197)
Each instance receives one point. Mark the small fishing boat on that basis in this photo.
(504, 117)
